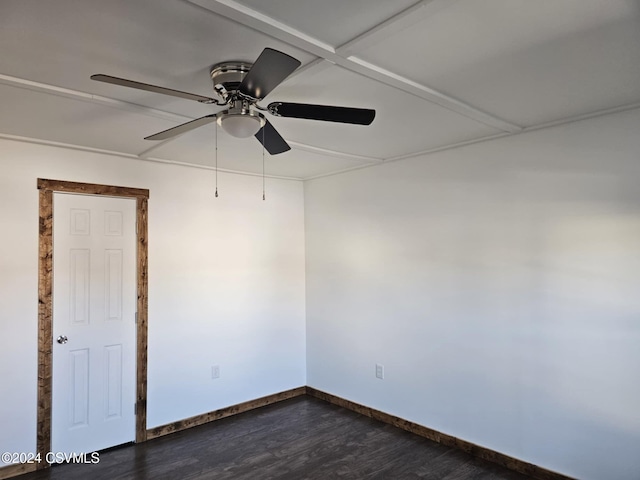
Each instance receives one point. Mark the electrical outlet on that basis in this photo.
(215, 372)
(379, 371)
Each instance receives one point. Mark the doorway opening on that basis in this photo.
(45, 302)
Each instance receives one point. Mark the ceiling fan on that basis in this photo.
(240, 87)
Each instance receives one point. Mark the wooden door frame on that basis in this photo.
(45, 301)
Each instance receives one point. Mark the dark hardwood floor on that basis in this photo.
(301, 438)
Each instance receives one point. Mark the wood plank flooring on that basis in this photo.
(297, 439)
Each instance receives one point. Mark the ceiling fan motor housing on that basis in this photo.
(228, 76)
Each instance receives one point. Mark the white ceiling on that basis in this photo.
(437, 72)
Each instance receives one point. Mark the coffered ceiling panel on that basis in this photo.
(437, 72)
(55, 118)
(332, 21)
(404, 123)
(527, 62)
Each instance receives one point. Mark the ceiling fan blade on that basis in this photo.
(273, 142)
(151, 88)
(268, 71)
(327, 113)
(185, 127)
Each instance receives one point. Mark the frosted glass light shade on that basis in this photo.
(240, 125)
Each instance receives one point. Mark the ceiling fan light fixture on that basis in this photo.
(241, 125)
(240, 87)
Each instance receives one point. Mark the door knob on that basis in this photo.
(62, 339)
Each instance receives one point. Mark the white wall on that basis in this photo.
(498, 284)
(226, 283)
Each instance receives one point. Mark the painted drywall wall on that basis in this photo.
(498, 286)
(226, 283)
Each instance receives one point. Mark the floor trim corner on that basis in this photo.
(501, 459)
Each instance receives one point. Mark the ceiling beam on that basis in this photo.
(83, 148)
(333, 153)
(262, 23)
(156, 145)
(267, 25)
(311, 68)
(88, 97)
(426, 93)
(393, 25)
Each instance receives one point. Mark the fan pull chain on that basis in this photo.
(216, 141)
(263, 194)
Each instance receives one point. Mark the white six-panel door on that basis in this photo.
(94, 305)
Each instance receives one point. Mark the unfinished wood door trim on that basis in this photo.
(45, 301)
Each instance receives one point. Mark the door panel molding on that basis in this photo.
(46, 189)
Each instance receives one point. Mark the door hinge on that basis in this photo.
(135, 408)
(136, 320)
